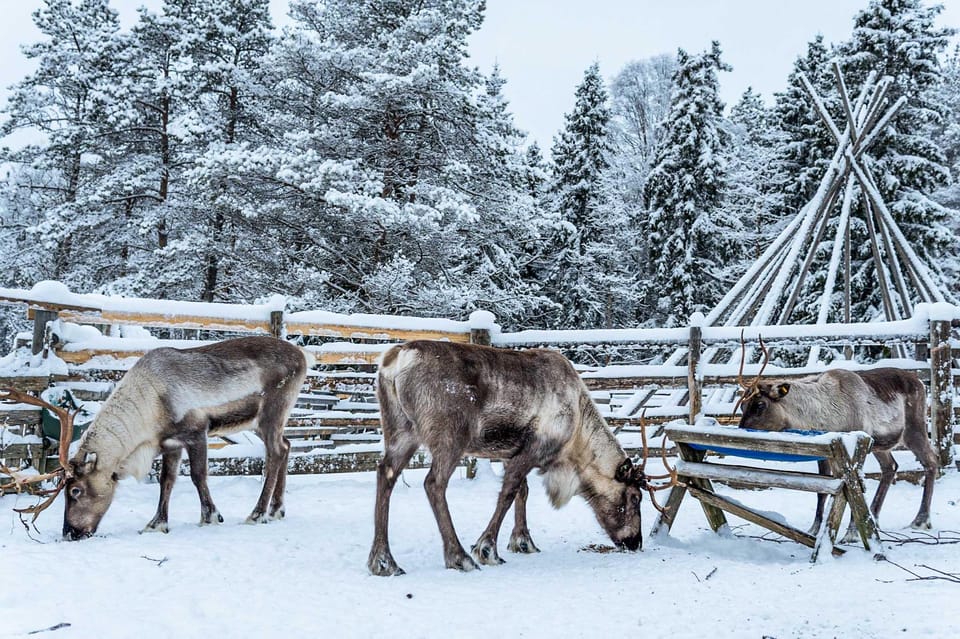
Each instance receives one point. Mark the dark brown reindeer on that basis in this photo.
(173, 399)
(889, 404)
(528, 408)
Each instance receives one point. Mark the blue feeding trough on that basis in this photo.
(764, 455)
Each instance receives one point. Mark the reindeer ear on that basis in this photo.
(782, 390)
(624, 471)
(88, 465)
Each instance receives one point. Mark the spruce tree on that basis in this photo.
(51, 193)
(688, 235)
(805, 146)
(588, 278)
(752, 172)
(898, 38)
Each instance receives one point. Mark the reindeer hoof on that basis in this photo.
(851, 537)
(463, 563)
(257, 518)
(522, 544)
(923, 524)
(213, 518)
(156, 526)
(279, 514)
(485, 552)
(384, 566)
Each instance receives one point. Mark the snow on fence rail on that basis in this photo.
(71, 326)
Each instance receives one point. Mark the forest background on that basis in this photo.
(356, 161)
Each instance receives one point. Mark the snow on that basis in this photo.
(307, 575)
(57, 293)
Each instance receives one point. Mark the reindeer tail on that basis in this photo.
(309, 356)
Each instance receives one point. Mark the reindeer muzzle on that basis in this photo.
(631, 543)
(74, 534)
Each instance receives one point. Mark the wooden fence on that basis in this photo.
(694, 369)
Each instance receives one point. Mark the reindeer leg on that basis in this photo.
(168, 475)
(823, 468)
(888, 472)
(396, 456)
(273, 417)
(435, 484)
(520, 540)
(197, 454)
(515, 473)
(276, 502)
(919, 443)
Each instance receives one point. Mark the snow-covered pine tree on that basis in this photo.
(153, 154)
(805, 146)
(589, 276)
(63, 108)
(392, 178)
(751, 171)
(536, 171)
(689, 236)
(899, 38)
(947, 136)
(228, 41)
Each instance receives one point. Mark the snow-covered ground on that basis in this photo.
(306, 576)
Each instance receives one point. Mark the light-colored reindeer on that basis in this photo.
(889, 404)
(172, 400)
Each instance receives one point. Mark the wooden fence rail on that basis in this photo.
(697, 373)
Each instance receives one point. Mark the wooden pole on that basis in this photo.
(941, 386)
(694, 384)
(888, 310)
(824, 213)
(40, 319)
(277, 328)
(480, 333)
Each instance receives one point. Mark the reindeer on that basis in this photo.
(889, 404)
(528, 408)
(173, 399)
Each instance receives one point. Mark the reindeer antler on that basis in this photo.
(12, 395)
(751, 389)
(671, 472)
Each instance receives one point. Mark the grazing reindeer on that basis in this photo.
(889, 404)
(530, 409)
(174, 399)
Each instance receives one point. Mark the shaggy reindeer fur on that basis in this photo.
(173, 400)
(889, 404)
(528, 408)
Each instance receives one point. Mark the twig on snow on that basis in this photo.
(159, 562)
(944, 537)
(56, 627)
(940, 574)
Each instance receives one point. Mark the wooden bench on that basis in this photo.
(843, 452)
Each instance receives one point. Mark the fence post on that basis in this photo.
(277, 328)
(694, 382)
(941, 381)
(482, 325)
(40, 319)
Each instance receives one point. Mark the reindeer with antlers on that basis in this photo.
(530, 409)
(889, 404)
(171, 401)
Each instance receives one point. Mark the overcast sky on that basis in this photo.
(543, 46)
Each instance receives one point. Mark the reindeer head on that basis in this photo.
(764, 409)
(751, 392)
(618, 507)
(620, 516)
(89, 492)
